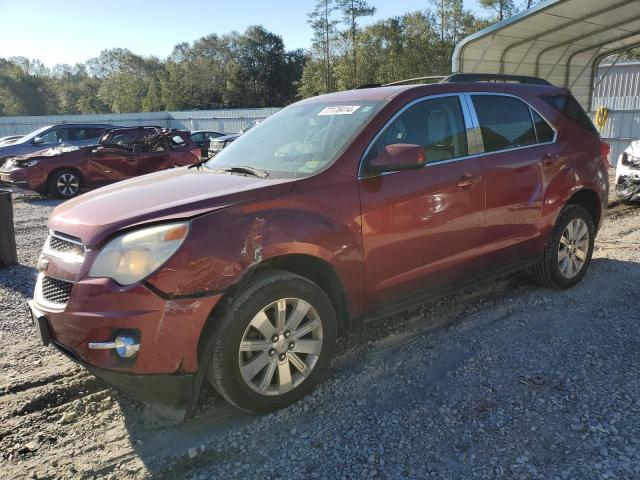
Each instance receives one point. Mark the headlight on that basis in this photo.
(130, 257)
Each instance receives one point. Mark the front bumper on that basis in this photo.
(177, 390)
(24, 179)
(628, 188)
(166, 366)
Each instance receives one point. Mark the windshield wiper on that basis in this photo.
(255, 172)
(199, 163)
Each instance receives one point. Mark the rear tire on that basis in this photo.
(568, 254)
(273, 344)
(65, 183)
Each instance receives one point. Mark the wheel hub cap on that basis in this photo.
(573, 248)
(281, 346)
(67, 184)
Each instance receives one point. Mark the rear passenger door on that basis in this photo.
(516, 141)
(423, 228)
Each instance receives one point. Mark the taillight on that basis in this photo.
(605, 150)
(196, 152)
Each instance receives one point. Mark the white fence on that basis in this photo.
(225, 121)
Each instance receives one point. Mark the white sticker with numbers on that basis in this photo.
(339, 110)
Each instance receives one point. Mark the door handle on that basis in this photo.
(549, 159)
(467, 181)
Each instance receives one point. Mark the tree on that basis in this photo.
(324, 32)
(352, 10)
(502, 8)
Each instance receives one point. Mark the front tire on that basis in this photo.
(567, 256)
(274, 343)
(65, 184)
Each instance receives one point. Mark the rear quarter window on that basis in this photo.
(570, 107)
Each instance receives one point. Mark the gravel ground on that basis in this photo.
(507, 380)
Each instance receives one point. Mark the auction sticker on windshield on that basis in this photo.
(339, 110)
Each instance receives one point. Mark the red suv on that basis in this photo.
(246, 269)
(121, 153)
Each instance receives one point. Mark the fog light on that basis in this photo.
(126, 346)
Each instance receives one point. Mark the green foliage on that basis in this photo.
(412, 45)
(250, 69)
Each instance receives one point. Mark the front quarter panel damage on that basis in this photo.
(225, 245)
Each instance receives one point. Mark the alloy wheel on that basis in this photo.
(68, 184)
(573, 248)
(281, 346)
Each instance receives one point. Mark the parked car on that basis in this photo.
(120, 154)
(628, 174)
(337, 208)
(202, 139)
(217, 144)
(54, 135)
(9, 139)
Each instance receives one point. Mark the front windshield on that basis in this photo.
(299, 140)
(33, 135)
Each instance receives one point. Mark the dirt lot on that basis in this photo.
(507, 380)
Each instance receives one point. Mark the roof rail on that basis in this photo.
(494, 77)
(402, 82)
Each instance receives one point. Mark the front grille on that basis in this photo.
(68, 248)
(56, 291)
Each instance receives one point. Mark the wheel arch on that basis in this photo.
(311, 267)
(590, 201)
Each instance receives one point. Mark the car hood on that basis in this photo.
(170, 194)
(13, 149)
(48, 152)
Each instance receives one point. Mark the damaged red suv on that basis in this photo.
(121, 153)
(244, 271)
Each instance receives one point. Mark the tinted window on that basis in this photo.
(210, 135)
(437, 125)
(505, 122)
(79, 134)
(198, 137)
(543, 131)
(58, 135)
(571, 108)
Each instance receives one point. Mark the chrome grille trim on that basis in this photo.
(64, 247)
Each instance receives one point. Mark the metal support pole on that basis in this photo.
(8, 252)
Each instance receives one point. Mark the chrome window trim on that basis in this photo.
(466, 115)
(472, 125)
(499, 94)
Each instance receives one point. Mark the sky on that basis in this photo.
(73, 31)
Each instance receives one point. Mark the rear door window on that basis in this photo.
(505, 122)
(436, 124)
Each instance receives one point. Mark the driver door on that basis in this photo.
(423, 228)
(108, 164)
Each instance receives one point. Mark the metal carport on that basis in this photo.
(562, 41)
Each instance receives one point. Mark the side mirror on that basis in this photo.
(398, 156)
(37, 141)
